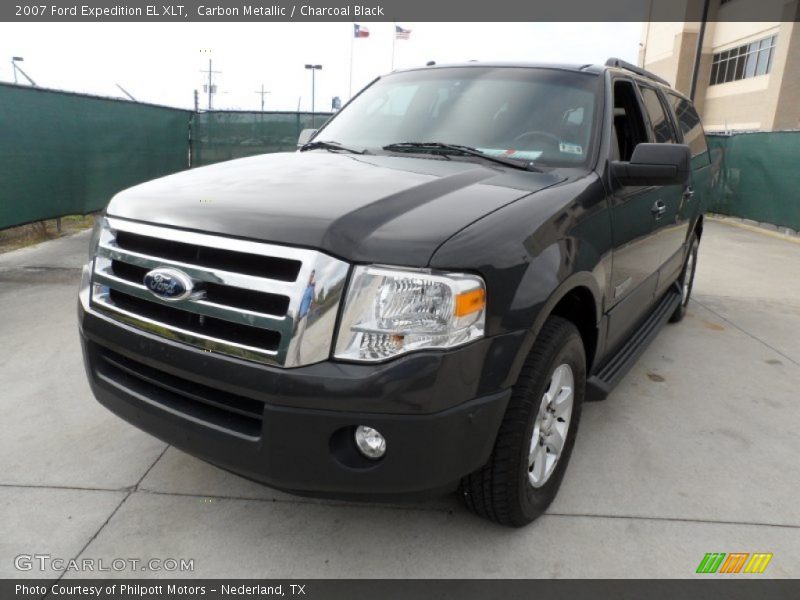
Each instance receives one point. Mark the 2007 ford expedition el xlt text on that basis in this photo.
(421, 298)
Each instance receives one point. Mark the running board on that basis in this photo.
(599, 385)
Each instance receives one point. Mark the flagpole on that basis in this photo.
(394, 41)
(352, 44)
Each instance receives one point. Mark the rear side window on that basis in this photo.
(689, 122)
(662, 129)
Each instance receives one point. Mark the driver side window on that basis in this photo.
(629, 126)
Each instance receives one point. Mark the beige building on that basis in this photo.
(749, 75)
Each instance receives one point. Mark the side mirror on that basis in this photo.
(655, 164)
(305, 135)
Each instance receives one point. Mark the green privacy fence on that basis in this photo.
(757, 176)
(223, 135)
(63, 153)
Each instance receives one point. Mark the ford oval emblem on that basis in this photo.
(168, 284)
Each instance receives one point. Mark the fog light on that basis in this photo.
(370, 442)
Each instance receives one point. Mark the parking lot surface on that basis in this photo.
(696, 451)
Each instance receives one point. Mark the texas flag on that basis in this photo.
(359, 31)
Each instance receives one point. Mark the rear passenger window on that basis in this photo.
(662, 129)
(690, 125)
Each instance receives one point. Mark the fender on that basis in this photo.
(531, 253)
(581, 279)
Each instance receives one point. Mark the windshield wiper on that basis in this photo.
(517, 163)
(329, 145)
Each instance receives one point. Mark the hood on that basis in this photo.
(382, 209)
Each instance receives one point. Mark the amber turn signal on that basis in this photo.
(470, 302)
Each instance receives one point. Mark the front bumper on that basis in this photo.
(292, 428)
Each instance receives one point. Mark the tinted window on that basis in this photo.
(543, 115)
(689, 122)
(628, 122)
(662, 128)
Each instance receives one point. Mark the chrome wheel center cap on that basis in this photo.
(548, 423)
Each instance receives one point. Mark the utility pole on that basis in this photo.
(210, 87)
(262, 93)
(196, 102)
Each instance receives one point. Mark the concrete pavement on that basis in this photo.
(695, 451)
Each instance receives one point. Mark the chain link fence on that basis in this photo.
(224, 135)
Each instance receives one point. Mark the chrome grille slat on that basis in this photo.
(182, 335)
(209, 309)
(249, 282)
(208, 240)
(290, 339)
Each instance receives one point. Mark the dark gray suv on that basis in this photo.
(421, 298)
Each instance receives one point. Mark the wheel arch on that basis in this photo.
(576, 299)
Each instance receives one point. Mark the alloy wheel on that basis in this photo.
(551, 426)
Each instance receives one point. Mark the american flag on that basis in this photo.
(360, 31)
(400, 33)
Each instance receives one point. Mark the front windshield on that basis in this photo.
(542, 115)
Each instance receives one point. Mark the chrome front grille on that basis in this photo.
(247, 299)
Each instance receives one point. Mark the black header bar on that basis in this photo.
(394, 10)
(711, 588)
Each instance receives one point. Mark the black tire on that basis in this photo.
(688, 271)
(500, 490)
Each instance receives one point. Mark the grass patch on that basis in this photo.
(40, 231)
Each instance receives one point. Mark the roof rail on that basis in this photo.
(621, 64)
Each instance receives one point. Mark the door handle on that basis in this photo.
(659, 208)
(688, 193)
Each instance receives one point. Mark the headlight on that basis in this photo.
(389, 312)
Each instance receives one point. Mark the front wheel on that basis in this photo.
(686, 280)
(537, 434)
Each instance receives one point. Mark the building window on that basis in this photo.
(745, 61)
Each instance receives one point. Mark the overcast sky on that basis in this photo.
(161, 62)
